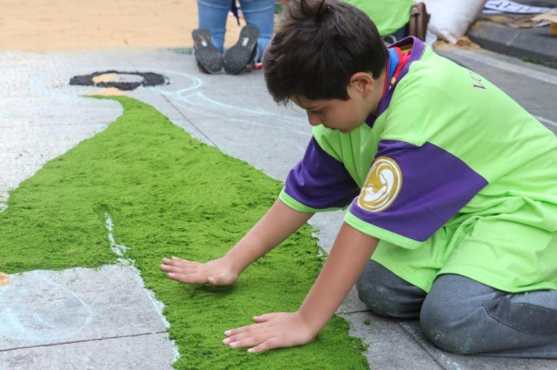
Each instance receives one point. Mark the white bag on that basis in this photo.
(450, 19)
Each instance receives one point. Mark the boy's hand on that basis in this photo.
(273, 330)
(215, 272)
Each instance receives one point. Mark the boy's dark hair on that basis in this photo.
(319, 46)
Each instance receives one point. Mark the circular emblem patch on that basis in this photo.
(382, 185)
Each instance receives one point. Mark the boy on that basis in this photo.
(449, 185)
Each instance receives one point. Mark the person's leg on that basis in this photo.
(212, 16)
(463, 316)
(208, 58)
(260, 13)
(241, 55)
(388, 295)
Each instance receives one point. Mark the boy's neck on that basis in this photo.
(386, 76)
(381, 82)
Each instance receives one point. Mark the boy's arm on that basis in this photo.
(347, 260)
(276, 225)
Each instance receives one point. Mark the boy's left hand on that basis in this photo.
(272, 330)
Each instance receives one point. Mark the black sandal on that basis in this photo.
(208, 58)
(239, 56)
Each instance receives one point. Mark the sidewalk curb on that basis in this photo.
(533, 45)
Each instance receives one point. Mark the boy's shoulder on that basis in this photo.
(346, 146)
(334, 142)
(438, 97)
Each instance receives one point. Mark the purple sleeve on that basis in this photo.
(413, 191)
(320, 181)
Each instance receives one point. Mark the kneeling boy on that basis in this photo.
(450, 187)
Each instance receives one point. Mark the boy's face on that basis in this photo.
(345, 115)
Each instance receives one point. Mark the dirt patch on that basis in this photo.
(50, 25)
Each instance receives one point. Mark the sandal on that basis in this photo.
(237, 58)
(208, 58)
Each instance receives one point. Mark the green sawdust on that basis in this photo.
(169, 194)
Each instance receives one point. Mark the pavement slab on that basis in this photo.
(532, 44)
(457, 362)
(232, 113)
(51, 313)
(148, 352)
(389, 346)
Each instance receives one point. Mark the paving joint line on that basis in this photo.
(189, 121)
(422, 346)
(84, 341)
(351, 312)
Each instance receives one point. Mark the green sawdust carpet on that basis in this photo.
(169, 194)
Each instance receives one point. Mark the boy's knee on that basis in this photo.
(385, 294)
(446, 328)
(482, 320)
(453, 316)
(377, 298)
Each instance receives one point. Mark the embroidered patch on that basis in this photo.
(382, 185)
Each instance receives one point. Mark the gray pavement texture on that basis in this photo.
(43, 117)
(535, 45)
(82, 319)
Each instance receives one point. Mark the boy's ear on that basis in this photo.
(362, 82)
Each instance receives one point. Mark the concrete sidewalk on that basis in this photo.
(232, 113)
(534, 45)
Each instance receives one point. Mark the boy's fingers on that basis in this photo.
(170, 259)
(187, 278)
(166, 267)
(265, 317)
(260, 332)
(177, 262)
(178, 258)
(181, 269)
(265, 346)
(241, 342)
(248, 330)
(239, 330)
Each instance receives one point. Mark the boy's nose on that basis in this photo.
(314, 119)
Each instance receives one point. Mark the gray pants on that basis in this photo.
(463, 316)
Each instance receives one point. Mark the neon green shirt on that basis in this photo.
(388, 16)
(453, 176)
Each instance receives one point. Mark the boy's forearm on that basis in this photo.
(277, 224)
(347, 260)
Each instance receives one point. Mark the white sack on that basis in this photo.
(450, 19)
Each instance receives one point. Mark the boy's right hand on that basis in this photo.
(215, 272)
